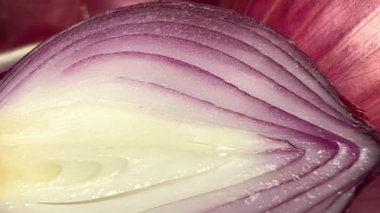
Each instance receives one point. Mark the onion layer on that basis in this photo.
(176, 107)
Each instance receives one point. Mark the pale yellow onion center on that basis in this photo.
(57, 152)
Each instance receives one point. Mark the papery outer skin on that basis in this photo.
(27, 63)
(273, 12)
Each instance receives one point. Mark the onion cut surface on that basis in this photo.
(176, 107)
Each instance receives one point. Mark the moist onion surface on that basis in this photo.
(176, 107)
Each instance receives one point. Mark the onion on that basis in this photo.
(176, 107)
(340, 36)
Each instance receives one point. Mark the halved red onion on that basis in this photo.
(176, 107)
